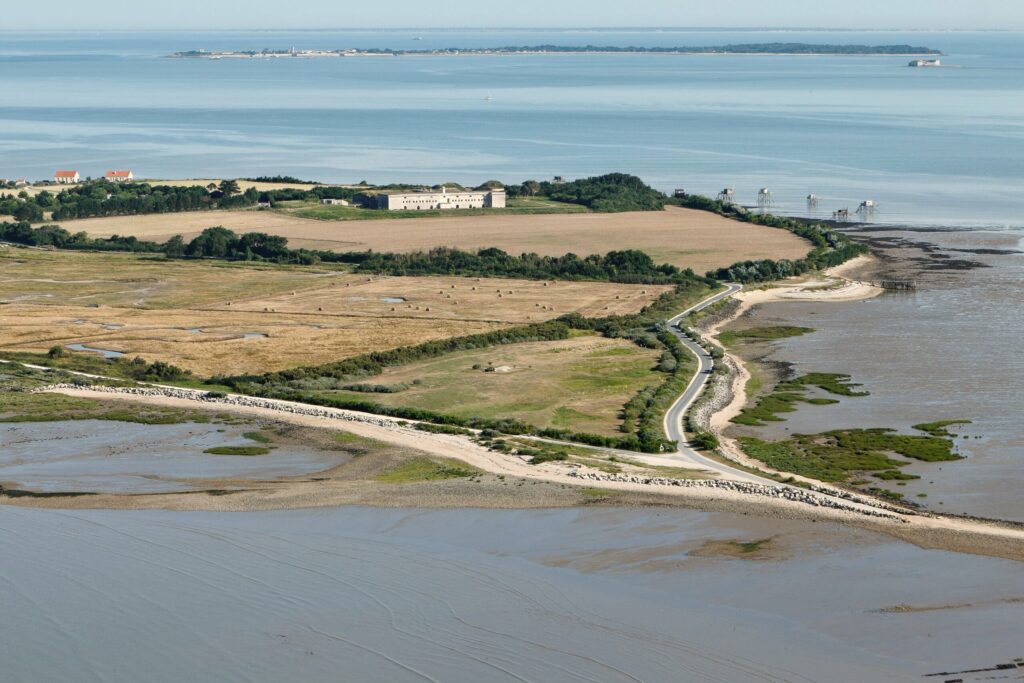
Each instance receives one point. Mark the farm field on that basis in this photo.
(579, 383)
(458, 298)
(682, 237)
(218, 318)
(215, 342)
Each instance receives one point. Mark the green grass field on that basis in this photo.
(326, 212)
(427, 469)
(578, 384)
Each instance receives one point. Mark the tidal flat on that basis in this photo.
(355, 593)
(949, 350)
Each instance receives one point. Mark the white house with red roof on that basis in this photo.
(66, 177)
(119, 176)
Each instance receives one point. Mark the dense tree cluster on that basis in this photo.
(611, 193)
(59, 238)
(100, 198)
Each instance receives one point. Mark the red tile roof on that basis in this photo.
(65, 174)
(118, 174)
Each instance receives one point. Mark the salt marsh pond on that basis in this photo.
(123, 457)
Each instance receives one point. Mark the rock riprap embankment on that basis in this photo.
(233, 400)
(784, 492)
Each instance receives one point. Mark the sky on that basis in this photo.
(337, 14)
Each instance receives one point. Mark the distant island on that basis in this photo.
(739, 49)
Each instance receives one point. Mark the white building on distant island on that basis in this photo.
(66, 177)
(925, 63)
(443, 199)
(119, 176)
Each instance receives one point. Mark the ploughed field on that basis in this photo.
(233, 318)
(682, 237)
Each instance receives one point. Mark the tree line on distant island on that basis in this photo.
(739, 48)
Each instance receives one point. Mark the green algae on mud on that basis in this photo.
(757, 334)
(787, 394)
(838, 455)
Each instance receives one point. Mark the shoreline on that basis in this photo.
(854, 290)
(924, 530)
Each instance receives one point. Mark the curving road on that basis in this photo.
(674, 416)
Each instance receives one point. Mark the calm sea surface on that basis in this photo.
(929, 145)
(464, 596)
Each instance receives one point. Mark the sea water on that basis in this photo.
(928, 145)
(359, 594)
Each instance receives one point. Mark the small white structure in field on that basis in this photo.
(335, 202)
(727, 195)
(66, 177)
(764, 198)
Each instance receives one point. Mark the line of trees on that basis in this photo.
(628, 266)
(831, 247)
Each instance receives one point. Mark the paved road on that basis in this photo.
(674, 416)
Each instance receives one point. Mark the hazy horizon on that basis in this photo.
(868, 15)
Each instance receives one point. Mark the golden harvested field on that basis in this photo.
(197, 314)
(579, 383)
(127, 280)
(458, 298)
(214, 342)
(683, 237)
